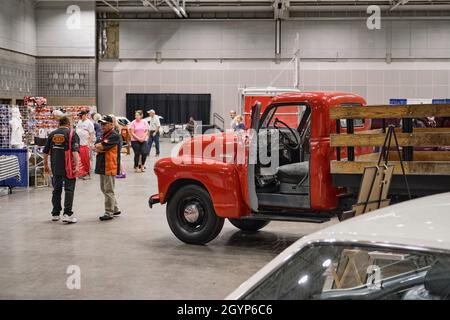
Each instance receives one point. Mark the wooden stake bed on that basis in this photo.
(430, 163)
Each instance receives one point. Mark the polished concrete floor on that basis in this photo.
(135, 256)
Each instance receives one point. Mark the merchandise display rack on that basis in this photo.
(30, 105)
(28, 134)
(5, 131)
(36, 165)
(44, 121)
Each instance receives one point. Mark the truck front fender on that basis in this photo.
(220, 179)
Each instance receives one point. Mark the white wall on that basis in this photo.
(56, 38)
(222, 80)
(40, 28)
(256, 39)
(250, 43)
(351, 39)
(197, 39)
(17, 26)
(376, 81)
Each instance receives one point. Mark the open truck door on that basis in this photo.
(253, 156)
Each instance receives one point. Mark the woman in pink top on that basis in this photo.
(139, 130)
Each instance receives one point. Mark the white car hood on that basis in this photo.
(419, 223)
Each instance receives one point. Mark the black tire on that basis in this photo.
(249, 225)
(193, 198)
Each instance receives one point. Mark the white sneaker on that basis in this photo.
(69, 219)
(55, 218)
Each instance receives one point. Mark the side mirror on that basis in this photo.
(256, 111)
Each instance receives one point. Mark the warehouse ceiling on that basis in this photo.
(269, 9)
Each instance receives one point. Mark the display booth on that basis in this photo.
(23, 134)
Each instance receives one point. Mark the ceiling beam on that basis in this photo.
(176, 3)
(171, 6)
(147, 3)
(111, 6)
(398, 3)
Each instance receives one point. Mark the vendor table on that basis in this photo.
(9, 168)
(16, 177)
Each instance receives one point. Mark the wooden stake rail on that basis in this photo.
(390, 111)
(399, 130)
(411, 167)
(418, 156)
(422, 139)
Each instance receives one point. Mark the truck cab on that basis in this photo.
(278, 169)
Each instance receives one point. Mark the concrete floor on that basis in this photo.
(132, 257)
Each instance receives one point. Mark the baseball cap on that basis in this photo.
(106, 119)
(82, 112)
(58, 113)
(151, 110)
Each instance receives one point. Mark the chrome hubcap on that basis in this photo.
(191, 213)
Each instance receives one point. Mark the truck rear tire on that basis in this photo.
(249, 225)
(191, 216)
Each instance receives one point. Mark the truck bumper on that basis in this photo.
(153, 199)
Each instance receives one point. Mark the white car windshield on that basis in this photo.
(324, 271)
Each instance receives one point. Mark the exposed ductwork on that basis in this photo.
(277, 40)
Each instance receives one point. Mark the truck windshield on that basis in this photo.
(289, 114)
(330, 271)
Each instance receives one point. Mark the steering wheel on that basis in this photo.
(292, 144)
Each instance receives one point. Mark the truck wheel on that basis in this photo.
(249, 225)
(191, 216)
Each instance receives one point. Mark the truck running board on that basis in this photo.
(295, 217)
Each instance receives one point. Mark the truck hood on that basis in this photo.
(217, 146)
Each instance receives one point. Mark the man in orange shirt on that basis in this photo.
(108, 165)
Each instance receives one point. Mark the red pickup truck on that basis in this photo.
(218, 176)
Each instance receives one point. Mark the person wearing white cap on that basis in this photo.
(233, 120)
(154, 131)
(58, 114)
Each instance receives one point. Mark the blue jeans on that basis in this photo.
(152, 139)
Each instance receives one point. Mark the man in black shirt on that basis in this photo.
(57, 144)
